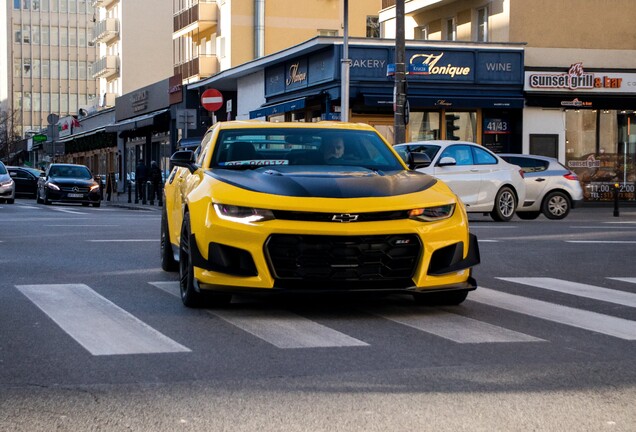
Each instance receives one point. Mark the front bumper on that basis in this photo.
(73, 197)
(401, 255)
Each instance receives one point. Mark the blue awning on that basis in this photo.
(448, 102)
(278, 108)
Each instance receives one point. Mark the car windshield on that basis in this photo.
(3, 169)
(78, 172)
(254, 148)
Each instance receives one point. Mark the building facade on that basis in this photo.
(578, 85)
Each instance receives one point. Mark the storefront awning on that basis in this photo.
(136, 122)
(278, 108)
(81, 134)
(447, 102)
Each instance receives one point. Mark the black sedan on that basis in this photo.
(68, 183)
(26, 180)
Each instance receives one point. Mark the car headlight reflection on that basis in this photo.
(242, 214)
(53, 186)
(94, 188)
(431, 214)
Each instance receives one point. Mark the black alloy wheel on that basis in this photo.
(168, 263)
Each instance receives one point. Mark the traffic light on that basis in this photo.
(451, 127)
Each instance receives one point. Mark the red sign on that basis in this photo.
(212, 100)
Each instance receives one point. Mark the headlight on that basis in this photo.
(53, 186)
(242, 214)
(431, 214)
(94, 188)
(6, 183)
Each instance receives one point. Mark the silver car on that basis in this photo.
(7, 186)
(551, 188)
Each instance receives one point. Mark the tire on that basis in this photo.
(448, 298)
(530, 215)
(505, 205)
(168, 263)
(10, 200)
(97, 204)
(187, 283)
(556, 205)
(85, 204)
(38, 200)
(46, 199)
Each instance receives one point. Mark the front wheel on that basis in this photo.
(505, 205)
(168, 263)
(556, 205)
(187, 283)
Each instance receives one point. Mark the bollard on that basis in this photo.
(144, 192)
(616, 212)
(129, 191)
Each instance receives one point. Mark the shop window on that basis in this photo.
(424, 126)
(373, 26)
(461, 125)
(544, 145)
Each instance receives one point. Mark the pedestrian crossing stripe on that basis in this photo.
(96, 323)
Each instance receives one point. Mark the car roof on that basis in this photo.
(261, 124)
(439, 142)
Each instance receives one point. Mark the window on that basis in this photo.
(327, 32)
(461, 153)
(26, 4)
(461, 125)
(64, 104)
(81, 37)
(544, 145)
(424, 126)
(63, 36)
(44, 5)
(26, 101)
(81, 70)
(17, 31)
(63, 6)
(421, 33)
(36, 5)
(16, 4)
(72, 70)
(373, 27)
(46, 102)
(26, 34)
(36, 68)
(17, 100)
(54, 36)
(482, 157)
(55, 102)
(35, 35)
(36, 102)
(451, 29)
(26, 68)
(17, 67)
(63, 69)
(55, 69)
(482, 25)
(45, 69)
(44, 35)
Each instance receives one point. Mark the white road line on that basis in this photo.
(280, 328)
(455, 327)
(579, 289)
(96, 323)
(488, 241)
(602, 241)
(605, 324)
(123, 240)
(493, 226)
(86, 225)
(68, 211)
(625, 279)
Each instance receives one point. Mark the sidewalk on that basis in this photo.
(121, 201)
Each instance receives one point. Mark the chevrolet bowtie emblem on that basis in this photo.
(344, 217)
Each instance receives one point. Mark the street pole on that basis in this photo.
(345, 65)
(400, 75)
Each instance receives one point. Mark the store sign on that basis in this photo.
(576, 103)
(496, 126)
(577, 79)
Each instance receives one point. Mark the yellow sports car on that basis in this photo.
(308, 207)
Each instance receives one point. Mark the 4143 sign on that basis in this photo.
(496, 126)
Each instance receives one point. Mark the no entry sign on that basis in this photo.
(212, 100)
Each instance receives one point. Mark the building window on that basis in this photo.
(16, 4)
(35, 35)
(17, 67)
(55, 69)
(17, 31)
(17, 100)
(36, 68)
(54, 36)
(63, 36)
(421, 33)
(26, 67)
(373, 26)
(63, 69)
(45, 69)
(327, 32)
(482, 25)
(26, 34)
(44, 35)
(451, 29)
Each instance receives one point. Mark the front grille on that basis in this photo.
(390, 259)
(74, 189)
(341, 217)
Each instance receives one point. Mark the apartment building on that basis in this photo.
(579, 84)
(46, 59)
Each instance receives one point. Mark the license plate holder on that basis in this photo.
(76, 195)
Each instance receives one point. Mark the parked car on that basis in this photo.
(26, 180)
(265, 208)
(7, 186)
(484, 182)
(69, 183)
(551, 188)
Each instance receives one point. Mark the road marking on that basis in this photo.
(625, 279)
(96, 323)
(123, 240)
(605, 324)
(86, 225)
(579, 289)
(455, 327)
(604, 227)
(68, 211)
(488, 241)
(493, 226)
(602, 241)
(280, 328)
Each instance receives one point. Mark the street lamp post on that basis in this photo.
(345, 66)
(399, 120)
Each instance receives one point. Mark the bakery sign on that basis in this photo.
(577, 79)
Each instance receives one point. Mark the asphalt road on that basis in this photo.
(93, 336)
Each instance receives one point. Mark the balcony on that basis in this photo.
(105, 30)
(109, 100)
(102, 3)
(202, 66)
(106, 67)
(202, 16)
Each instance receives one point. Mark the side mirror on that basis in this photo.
(447, 161)
(184, 158)
(418, 160)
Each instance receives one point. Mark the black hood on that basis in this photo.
(69, 181)
(325, 181)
